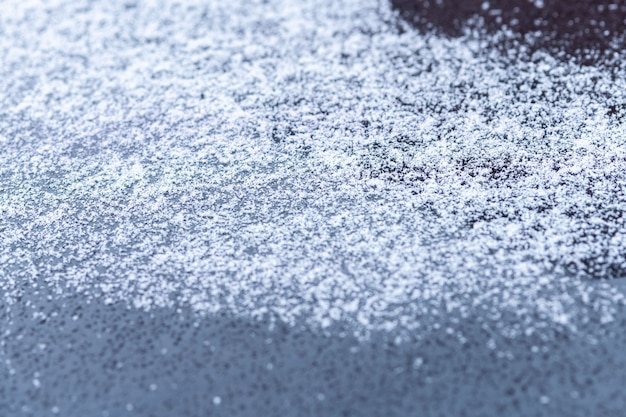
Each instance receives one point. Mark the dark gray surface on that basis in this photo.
(100, 360)
(587, 31)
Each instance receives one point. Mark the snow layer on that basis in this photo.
(306, 161)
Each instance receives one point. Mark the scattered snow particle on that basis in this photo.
(328, 176)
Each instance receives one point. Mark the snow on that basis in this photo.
(307, 161)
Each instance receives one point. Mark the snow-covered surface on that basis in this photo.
(309, 162)
(304, 160)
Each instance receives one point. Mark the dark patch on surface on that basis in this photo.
(587, 30)
(617, 111)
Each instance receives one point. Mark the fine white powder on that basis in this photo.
(308, 161)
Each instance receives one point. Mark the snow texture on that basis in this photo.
(315, 162)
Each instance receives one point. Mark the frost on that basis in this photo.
(307, 161)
